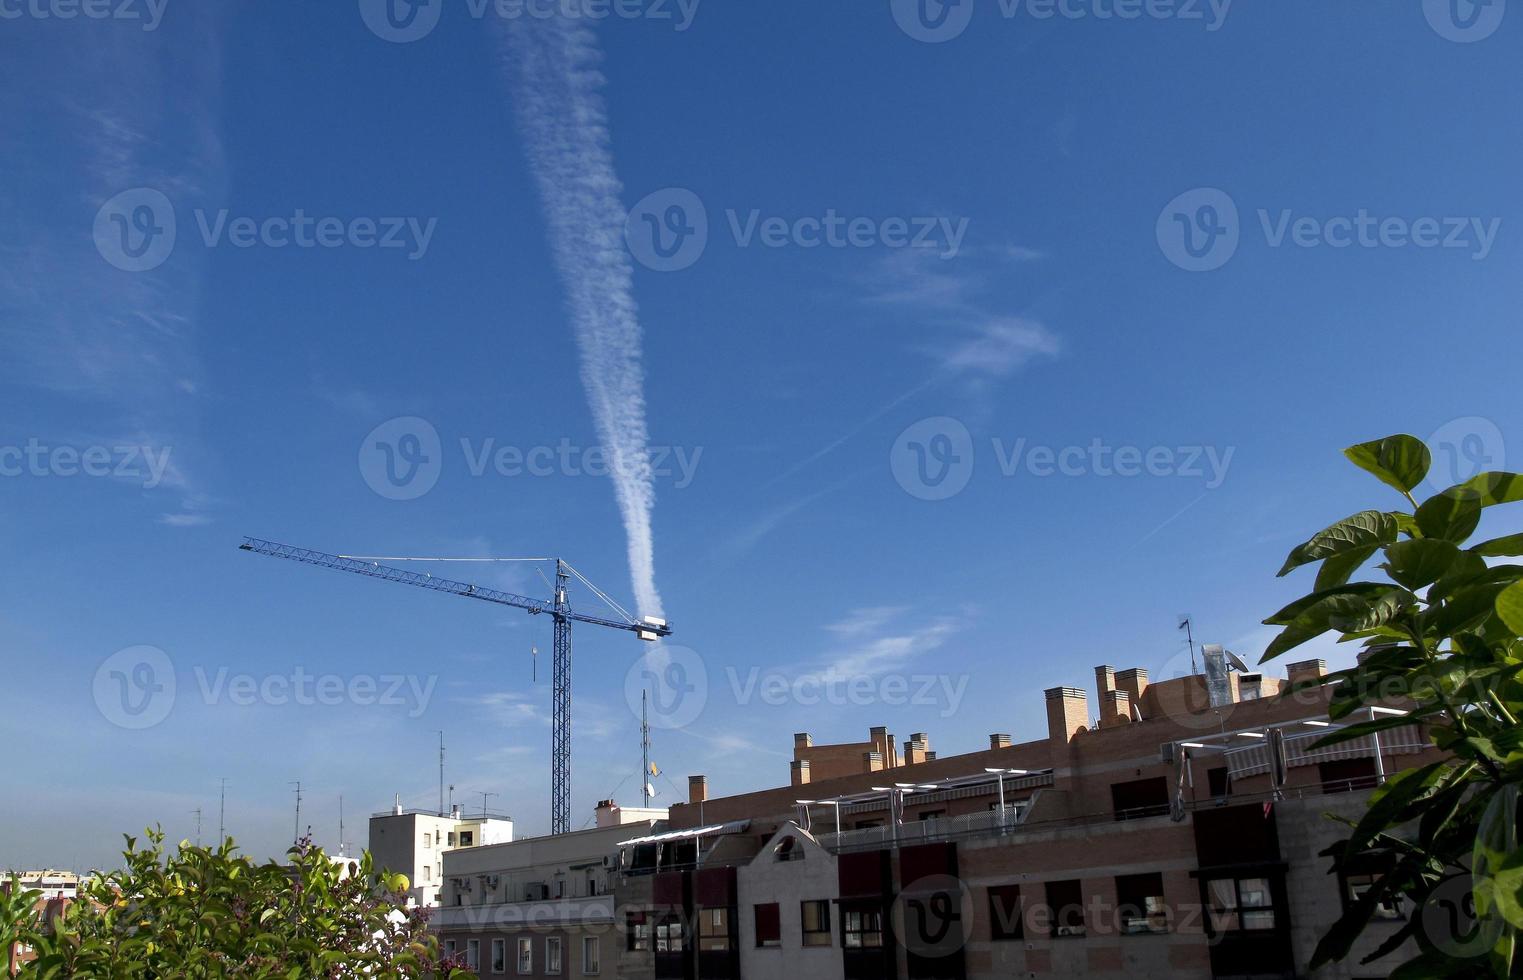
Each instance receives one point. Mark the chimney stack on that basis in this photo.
(798, 772)
(1306, 670)
(1067, 713)
(999, 741)
(1133, 681)
(1105, 680)
(697, 789)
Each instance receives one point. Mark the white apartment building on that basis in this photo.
(52, 884)
(542, 906)
(414, 842)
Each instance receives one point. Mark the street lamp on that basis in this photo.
(834, 803)
(1002, 773)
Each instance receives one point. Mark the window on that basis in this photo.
(670, 936)
(467, 837)
(636, 932)
(1065, 904)
(815, 917)
(1140, 798)
(867, 824)
(932, 814)
(788, 850)
(428, 840)
(525, 956)
(1240, 904)
(428, 872)
(499, 956)
(553, 955)
(861, 928)
(714, 930)
(452, 838)
(1140, 898)
(1220, 782)
(449, 947)
(1347, 775)
(591, 956)
(592, 884)
(1388, 908)
(473, 954)
(769, 926)
(1005, 912)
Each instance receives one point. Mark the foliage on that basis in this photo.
(209, 912)
(1441, 639)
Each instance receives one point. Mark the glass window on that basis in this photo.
(591, 956)
(769, 926)
(452, 838)
(816, 923)
(449, 947)
(499, 956)
(1388, 908)
(467, 837)
(1140, 901)
(861, 928)
(1240, 903)
(473, 954)
(1005, 918)
(525, 956)
(670, 935)
(553, 955)
(428, 840)
(1065, 905)
(714, 930)
(636, 931)
(428, 872)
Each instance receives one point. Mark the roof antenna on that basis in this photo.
(1184, 624)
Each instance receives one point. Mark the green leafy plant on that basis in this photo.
(210, 912)
(1441, 640)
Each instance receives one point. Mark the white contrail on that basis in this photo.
(557, 92)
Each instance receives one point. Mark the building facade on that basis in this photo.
(542, 906)
(414, 842)
(1173, 833)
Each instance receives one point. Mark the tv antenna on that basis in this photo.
(1184, 624)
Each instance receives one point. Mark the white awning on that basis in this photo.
(733, 827)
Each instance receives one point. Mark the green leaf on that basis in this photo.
(1400, 461)
(1291, 612)
(1362, 530)
(1389, 801)
(1420, 561)
(1509, 546)
(1344, 611)
(1451, 516)
(1510, 607)
(1335, 571)
(1495, 488)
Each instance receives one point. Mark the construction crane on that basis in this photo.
(558, 609)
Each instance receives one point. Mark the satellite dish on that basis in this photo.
(1238, 663)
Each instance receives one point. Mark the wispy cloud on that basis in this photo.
(873, 641)
(557, 93)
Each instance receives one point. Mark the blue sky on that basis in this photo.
(1047, 162)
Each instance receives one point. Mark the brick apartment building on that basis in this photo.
(1173, 833)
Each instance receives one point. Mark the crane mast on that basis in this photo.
(558, 608)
